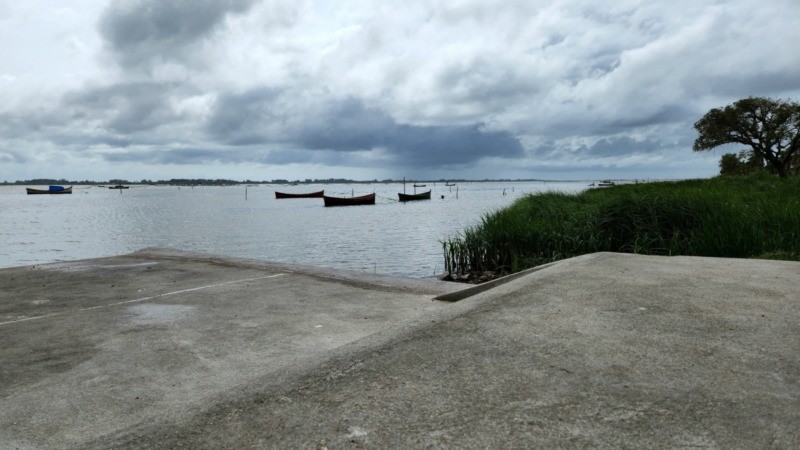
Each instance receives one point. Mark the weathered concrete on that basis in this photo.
(605, 350)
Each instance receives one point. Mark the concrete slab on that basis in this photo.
(94, 347)
(605, 350)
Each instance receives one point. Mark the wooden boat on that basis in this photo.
(119, 186)
(368, 199)
(50, 190)
(606, 183)
(419, 185)
(412, 197)
(307, 195)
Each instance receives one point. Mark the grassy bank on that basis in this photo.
(740, 217)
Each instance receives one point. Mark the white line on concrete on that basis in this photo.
(143, 299)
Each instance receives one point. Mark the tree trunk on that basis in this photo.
(781, 169)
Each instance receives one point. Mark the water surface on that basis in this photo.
(387, 238)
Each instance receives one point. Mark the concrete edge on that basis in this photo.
(478, 288)
(389, 283)
(445, 291)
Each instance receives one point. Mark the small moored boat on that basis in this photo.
(50, 190)
(119, 186)
(307, 195)
(368, 199)
(412, 197)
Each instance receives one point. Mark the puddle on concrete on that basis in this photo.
(159, 314)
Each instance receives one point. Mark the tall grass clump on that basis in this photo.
(742, 217)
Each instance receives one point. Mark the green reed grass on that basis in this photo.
(741, 217)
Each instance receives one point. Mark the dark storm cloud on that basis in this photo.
(258, 116)
(55, 125)
(66, 136)
(486, 81)
(592, 127)
(667, 114)
(610, 147)
(451, 145)
(622, 146)
(451, 86)
(141, 32)
(231, 155)
(348, 126)
(124, 108)
(183, 156)
(117, 116)
(13, 157)
(17, 125)
(246, 118)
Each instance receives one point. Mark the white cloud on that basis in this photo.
(240, 86)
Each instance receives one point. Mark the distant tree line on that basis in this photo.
(115, 181)
(226, 182)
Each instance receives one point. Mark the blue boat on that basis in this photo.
(50, 190)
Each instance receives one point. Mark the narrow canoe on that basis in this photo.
(119, 186)
(290, 195)
(51, 190)
(412, 197)
(368, 199)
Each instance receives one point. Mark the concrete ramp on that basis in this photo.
(605, 350)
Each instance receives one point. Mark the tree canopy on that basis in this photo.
(771, 128)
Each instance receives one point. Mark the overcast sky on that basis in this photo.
(249, 89)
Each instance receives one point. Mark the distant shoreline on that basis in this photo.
(280, 182)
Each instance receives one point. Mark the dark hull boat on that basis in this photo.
(119, 186)
(412, 197)
(50, 190)
(368, 199)
(308, 195)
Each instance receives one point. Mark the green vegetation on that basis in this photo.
(770, 130)
(755, 216)
(742, 164)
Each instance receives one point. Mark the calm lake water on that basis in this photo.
(388, 238)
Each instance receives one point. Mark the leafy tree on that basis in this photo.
(730, 164)
(771, 128)
(744, 163)
(794, 167)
